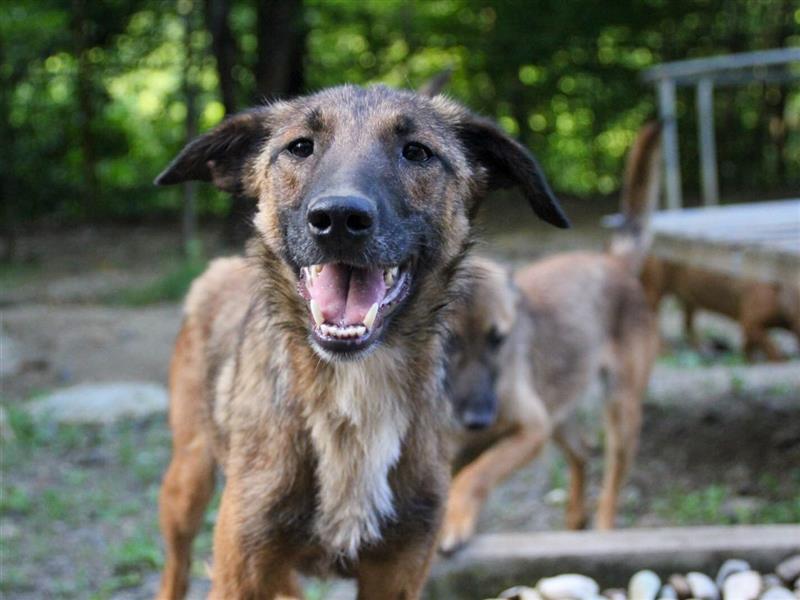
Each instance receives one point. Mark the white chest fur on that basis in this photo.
(358, 440)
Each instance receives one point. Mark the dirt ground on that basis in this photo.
(78, 504)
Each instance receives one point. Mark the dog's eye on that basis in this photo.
(416, 152)
(302, 148)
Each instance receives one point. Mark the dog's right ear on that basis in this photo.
(221, 155)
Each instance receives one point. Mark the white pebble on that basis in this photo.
(520, 592)
(777, 593)
(728, 568)
(744, 585)
(568, 587)
(702, 586)
(644, 585)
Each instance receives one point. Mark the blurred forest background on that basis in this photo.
(97, 96)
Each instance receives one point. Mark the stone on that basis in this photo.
(6, 431)
(644, 585)
(702, 586)
(777, 593)
(744, 585)
(771, 581)
(615, 594)
(789, 569)
(668, 593)
(729, 567)
(520, 592)
(11, 355)
(570, 586)
(680, 585)
(101, 403)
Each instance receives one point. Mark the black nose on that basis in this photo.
(341, 218)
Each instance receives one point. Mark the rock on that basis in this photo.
(6, 432)
(680, 585)
(101, 403)
(702, 586)
(11, 355)
(729, 567)
(777, 593)
(771, 581)
(789, 569)
(520, 592)
(744, 585)
(644, 585)
(556, 497)
(615, 594)
(568, 587)
(668, 593)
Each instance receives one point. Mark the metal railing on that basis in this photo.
(778, 65)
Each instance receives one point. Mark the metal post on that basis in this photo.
(708, 149)
(666, 108)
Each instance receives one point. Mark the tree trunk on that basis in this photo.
(281, 37)
(217, 13)
(190, 96)
(80, 36)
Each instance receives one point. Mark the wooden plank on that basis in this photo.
(493, 562)
(755, 241)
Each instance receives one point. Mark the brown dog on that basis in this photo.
(755, 305)
(312, 372)
(533, 347)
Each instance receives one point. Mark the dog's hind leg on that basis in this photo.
(623, 418)
(568, 438)
(189, 481)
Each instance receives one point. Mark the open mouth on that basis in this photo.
(348, 306)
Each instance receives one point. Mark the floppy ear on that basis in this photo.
(221, 155)
(509, 164)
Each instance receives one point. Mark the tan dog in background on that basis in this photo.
(312, 373)
(755, 305)
(533, 347)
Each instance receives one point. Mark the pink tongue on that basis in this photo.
(345, 294)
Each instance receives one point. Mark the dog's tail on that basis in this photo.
(640, 192)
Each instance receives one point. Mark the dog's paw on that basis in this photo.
(459, 523)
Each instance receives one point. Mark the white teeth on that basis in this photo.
(312, 273)
(390, 276)
(316, 312)
(369, 319)
(350, 331)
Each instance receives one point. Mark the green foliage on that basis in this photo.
(95, 102)
(716, 504)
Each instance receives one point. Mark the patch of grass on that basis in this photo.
(689, 358)
(16, 273)
(717, 505)
(14, 499)
(171, 286)
(137, 554)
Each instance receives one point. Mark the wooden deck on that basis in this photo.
(756, 241)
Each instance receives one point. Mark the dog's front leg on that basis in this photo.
(399, 575)
(241, 572)
(473, 483)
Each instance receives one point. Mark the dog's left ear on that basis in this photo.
(220, 156)
(509, 164)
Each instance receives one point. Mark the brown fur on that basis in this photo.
(332, 464)
(569, 319)
(755, 305)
